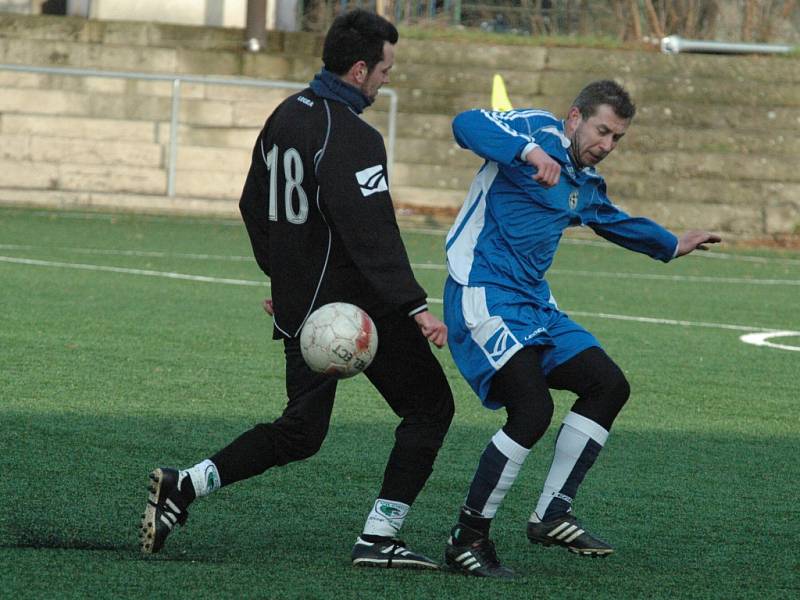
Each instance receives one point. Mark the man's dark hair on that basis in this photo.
(608, 92)
(354, 36)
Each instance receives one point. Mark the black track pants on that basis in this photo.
(406, 374)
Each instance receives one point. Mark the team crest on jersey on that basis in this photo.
(573, 200)
(372, 180)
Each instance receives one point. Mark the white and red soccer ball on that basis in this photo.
(338, 339)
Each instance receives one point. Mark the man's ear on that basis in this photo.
(573, 120)
(574, 115)
(358, 72)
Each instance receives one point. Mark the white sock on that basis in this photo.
(205, 477)
(577, 445)
(386, 518)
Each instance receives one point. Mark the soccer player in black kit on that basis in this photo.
(317, 208)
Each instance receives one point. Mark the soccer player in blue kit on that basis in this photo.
(506, 333)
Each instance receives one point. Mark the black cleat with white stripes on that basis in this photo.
(566, 531)
(389, 554)
(166, 507)
(478, 559)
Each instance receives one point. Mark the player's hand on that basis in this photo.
(696, 240)
(267, 306)
(548, 171)
(432, 328)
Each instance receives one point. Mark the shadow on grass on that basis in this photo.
(672, 503)
(55, 540)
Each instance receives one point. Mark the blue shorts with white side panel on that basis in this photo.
(488, 325)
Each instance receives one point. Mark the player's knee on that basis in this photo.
(607, 384)
(433, 424)
(308, 447)
(616, 390)
(447, 409)
(297, 442)
(528, 420)
(603, 400)
(438, 414)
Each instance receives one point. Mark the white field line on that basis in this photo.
(127, 271)
(751, 339)
(142, 253)
(420, 266)
(654, 276)
(762, 339)
(112, 217)
(233, 222)
(659, 321)
(691, 278)
(698, 254)
(608, 245)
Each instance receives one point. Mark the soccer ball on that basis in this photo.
(338, 339)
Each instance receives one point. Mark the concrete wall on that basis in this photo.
(220, 13)
(714, 144)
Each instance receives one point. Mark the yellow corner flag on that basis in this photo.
(500, 99)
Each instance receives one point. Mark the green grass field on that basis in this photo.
(129, 342)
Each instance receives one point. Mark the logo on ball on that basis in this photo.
(338, 339)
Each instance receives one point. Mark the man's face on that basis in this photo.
(594, 138)
(379, 75)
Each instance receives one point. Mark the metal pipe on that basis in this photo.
(392, 128)
(200, 79)
(674, 44)
(173, 137)
(255, 35)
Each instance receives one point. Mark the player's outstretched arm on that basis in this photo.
(432, 328)
(695, 240)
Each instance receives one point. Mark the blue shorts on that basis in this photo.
(486, 326)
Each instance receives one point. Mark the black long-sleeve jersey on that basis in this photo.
(317, 208)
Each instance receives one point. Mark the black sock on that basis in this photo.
(372, 539)
(471, 527)
(186, 489)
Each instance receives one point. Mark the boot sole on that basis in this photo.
(147, 531)
(591, 552)
(396, 564)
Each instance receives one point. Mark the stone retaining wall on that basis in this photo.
(714, 144)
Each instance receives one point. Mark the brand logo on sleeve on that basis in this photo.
(372, 180)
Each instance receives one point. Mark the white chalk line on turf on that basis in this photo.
(127, 271)
(714, 254)
(118, 216)
(760, 339)
(420, 266)
(660, 321)
(141, 253)
(652, 276)
(690, 278)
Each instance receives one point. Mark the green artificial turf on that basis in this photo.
(105, 374)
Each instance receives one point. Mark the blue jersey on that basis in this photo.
(509, 226)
